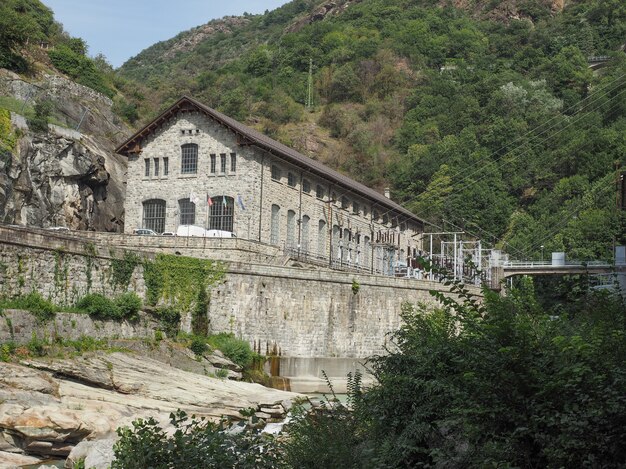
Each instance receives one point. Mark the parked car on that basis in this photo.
(198, 231)
(144, 232)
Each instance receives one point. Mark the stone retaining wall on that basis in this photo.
(19, 326)
(303, 312)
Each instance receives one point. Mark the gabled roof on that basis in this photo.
(249, 136)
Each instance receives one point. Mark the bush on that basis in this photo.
(41, 308)
(199, 346)
(237, 350)
(194, 443)
(169, 318)
(99, 306)
(125, 306)
(128, 305)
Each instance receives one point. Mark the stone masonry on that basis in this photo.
(282, 204)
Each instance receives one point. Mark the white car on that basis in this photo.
(144, 232)
(199, 232)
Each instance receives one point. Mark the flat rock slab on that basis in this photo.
(52, 405)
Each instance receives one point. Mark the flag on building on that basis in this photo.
(224, 199)
(193, 198)
(240, 202)
(209, 202)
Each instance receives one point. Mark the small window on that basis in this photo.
(189, 161)
(213, 164)
(166, 166)
(223, 163)
(147, 167)
(182, 131)
(356, 208)
(275, 173)
(233, 162)
(156, 166)
(291, 180)
(319, 192)
(345, 203)
(306, 186)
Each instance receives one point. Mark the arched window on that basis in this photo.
(221, 213)
(154, 215)
(275, 228)
(187, 212)
(291, 229)
(304, 235)
(321, 238)
(189, 159)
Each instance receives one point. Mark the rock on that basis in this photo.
(93, 395)
(96, 454)
(275, 412)
(218, 360)
(63, 176)
(11, 460)
(262, 415)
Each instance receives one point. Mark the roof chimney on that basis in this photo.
(387, 193)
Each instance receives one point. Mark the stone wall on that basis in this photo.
(19, 326)
(304, 312)
(312, 313)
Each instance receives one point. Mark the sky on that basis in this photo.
(120, 29)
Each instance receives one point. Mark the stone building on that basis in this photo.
(195, 166)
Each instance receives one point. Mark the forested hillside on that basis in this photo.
(488, 117)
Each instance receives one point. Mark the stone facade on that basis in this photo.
(274, 201)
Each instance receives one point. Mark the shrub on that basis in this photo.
(36, 346)
(6, 350)
(169, 318)
(98, 306)
(198, 345)
(41, 308)
(194, 443)
(128, 305)
(237, 350)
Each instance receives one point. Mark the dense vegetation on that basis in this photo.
(503, 384)
(492, 126)
(31, 40)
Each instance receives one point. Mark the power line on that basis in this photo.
(569, 124)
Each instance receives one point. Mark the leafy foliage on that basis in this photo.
(194, 443)
(125, 306)
(68, 59)
(504, 384)
(237, 350)
(42, 309)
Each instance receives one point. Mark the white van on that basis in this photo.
(198, 231)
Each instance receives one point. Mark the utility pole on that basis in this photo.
(309, 96)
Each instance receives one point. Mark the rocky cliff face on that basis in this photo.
(62, 177)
